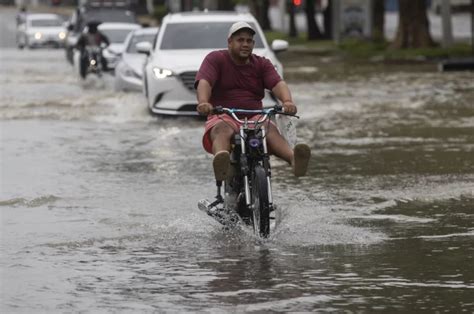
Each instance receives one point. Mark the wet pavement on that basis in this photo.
(98, 200)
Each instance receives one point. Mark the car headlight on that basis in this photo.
(62, 35)
(160, 73)
(38, 35)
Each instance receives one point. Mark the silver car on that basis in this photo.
(40, 30)
(129, 69)
(182, 43)
(116, 33)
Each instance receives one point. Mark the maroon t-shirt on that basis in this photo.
(237, 86)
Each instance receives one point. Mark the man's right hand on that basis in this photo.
(204, 108)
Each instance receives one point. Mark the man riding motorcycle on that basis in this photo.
(236, 77)
(91, 38)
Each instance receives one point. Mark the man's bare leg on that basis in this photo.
(277, 145)
(298, 157)
(221, 136)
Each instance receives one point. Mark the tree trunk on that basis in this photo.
(378, 33)
(313, 28)
(327, 16)
(266, 25)
(259, 9)
(413, 26)
(293, 30)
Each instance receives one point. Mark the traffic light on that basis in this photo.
(296, 3)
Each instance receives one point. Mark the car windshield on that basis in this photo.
(139, 38)
(46, 23)
(205, 35)
(116, 35)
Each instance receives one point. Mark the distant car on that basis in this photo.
(116, 33)
(129, 69)
(184, 39)
(41, 30)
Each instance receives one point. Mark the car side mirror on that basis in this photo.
(70, 27)
(143, 47)
(279, 45)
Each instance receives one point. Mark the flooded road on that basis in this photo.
(98, 200)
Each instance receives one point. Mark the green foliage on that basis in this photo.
(366, 49)
(457, 50)
(362, 49)
(301, 40)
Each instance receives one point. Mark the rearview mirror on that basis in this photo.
(279, 45)
(143, 47)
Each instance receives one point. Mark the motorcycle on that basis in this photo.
(91, 61)
(248, 191)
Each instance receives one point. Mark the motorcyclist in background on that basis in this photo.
(91, 37)
(21, 16)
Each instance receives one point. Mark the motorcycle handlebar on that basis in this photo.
(276, 109)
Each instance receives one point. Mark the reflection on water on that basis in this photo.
(99, 201)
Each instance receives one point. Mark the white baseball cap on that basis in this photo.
(238, 26)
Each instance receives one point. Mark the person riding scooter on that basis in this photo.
(91, 38)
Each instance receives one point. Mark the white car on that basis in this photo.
(129, 69)
(39, 30)
(182, 43)
(116, 33)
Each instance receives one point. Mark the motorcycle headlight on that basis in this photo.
(160, 73)
(38, 35)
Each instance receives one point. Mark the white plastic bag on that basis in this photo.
(287, 127)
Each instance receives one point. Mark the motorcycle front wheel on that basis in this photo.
(260, 204)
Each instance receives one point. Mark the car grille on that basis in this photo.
(188, 79)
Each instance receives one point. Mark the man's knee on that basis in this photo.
(222, 129)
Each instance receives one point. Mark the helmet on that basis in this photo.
(92, 26)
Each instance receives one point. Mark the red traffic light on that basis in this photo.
(296, 3)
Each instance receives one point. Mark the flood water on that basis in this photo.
(99, 200)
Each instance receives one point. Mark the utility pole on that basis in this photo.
(447, 25)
